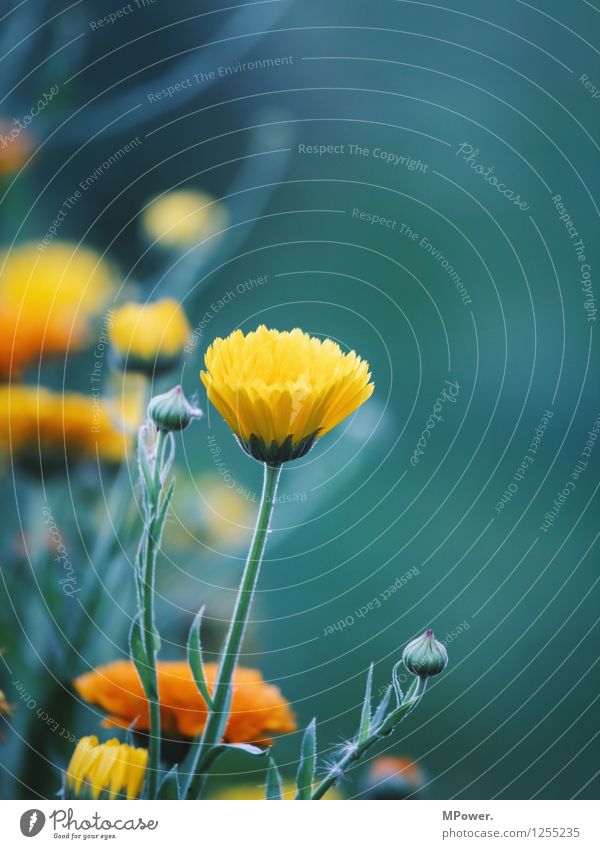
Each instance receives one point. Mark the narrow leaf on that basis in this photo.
(169, 789)
(396, 683)
(194, 655)
(382, 708)
(137, 649)
(306, 769)
(365, 717)
(273, 790)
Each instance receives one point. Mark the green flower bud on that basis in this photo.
(172, 410)
(425, 656)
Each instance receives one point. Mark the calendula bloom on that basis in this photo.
(182, 218)
(47, 299)
(149, 337)
(258, 709)
(281, 391)
(35, 422)
(109, 768)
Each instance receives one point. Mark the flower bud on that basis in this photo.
(425, 656)
(172, 410)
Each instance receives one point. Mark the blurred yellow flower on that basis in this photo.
(181, 218)
(281, 391)
(35, 421)
(257, 710)
(4, 705)
(47, 298)
(221, 516)
(111, 767)
(149, 337)
(257, 792)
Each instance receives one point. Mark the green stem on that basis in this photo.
(356, 752)
(219, 713)
(148, 620)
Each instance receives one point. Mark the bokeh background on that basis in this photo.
(515, 715)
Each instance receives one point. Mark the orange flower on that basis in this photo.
(258, 709)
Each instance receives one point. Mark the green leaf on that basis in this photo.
(365, 717)
(306, 770)
(273, 790)
(194, 655)
(382, 708)
(396, 683)
(137, 650)
(169, 789)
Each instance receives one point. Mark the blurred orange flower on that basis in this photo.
(48, 294)
(258, 709)
(36, 421)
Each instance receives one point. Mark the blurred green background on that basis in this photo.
(515, 715)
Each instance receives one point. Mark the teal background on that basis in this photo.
(515, 715)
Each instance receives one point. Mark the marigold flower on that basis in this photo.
(111, 767)
(35, 421)
(47, 299)
(180, 218)
(281, 391)
(149, 337)
(258, 709)
(256, 792)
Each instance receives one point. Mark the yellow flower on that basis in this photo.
(112, 766)
(149, 337)
(255, 792)
(38, 423)
(180, 218)
(281, 391)
(47, 298)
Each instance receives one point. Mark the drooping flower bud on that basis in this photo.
(425, 656)
(172, 410)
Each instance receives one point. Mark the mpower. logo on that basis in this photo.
(32, 822)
